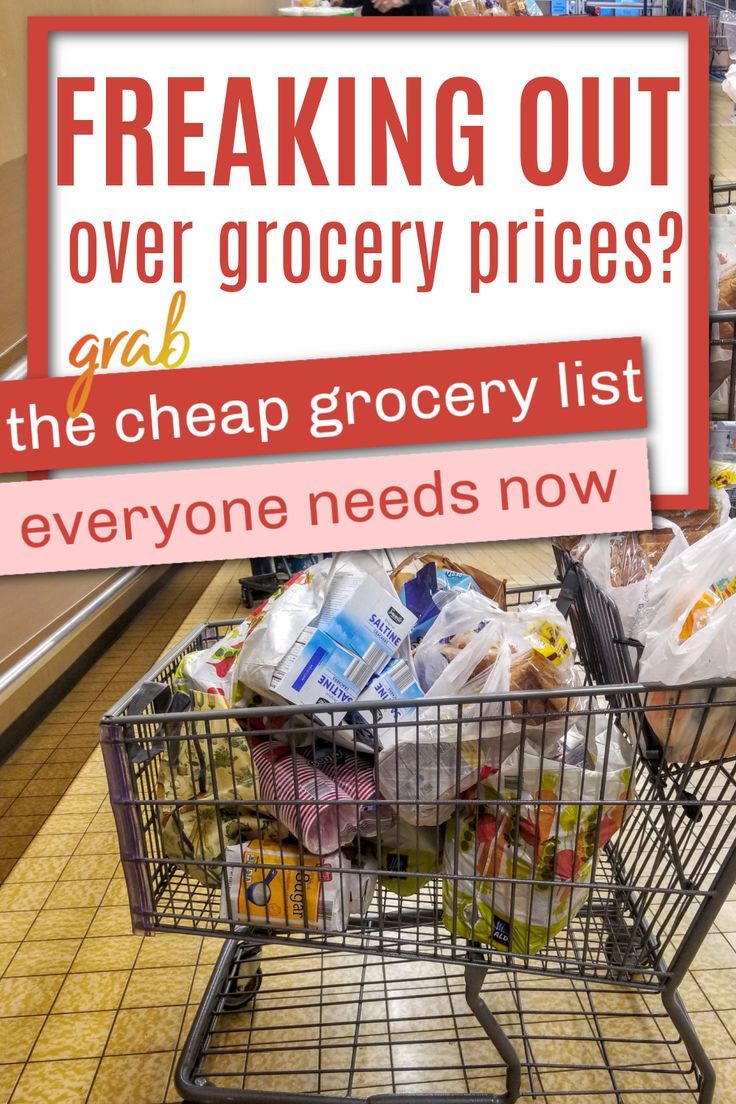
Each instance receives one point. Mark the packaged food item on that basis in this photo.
(397, 681)
(696, 524)
(567, 544)
(539, 653)
(423, 581)
(692, 637)
(408, 856)
(722, 297)
(722, 474)
(464, 7)
(324, 638)
(281, 886)
(522, 852)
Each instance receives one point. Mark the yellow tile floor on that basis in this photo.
(88, 1011)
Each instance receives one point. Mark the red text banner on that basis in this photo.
(358, 402)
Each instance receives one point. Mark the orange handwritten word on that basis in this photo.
(91, 352)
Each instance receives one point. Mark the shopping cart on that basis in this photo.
(401, 993)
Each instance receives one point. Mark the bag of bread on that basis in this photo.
(696, 524)
(474, 648)
(692, 638)
(517, 863)
(424, 582)
(623, 565)
(538, 656)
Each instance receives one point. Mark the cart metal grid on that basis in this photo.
(653, 891)
(328, 1024)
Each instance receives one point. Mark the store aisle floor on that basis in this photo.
(90, 1014)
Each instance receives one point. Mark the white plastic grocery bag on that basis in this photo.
(691, 637)
(631, 599)
(477, 649)
(516, 865)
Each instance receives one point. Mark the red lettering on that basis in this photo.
(239, 111)
(35, 530)
(602, 244)
(385, 120)
(564, 275)
(67, 125)
(592, 131)
(118, 128)
(557, 93)
(296, 130)
(659, 89)
(473, 135)
(180, 130)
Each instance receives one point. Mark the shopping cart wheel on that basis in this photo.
(244, 980)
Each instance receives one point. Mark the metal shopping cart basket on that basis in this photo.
(456, 957)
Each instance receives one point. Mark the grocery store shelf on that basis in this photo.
(55, 627)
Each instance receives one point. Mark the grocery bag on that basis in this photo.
(624, 564)
(517, 864)
(212, 670)
(475, 648)
(408, 856)
(691, 637)
(424, 582)
(209, 764)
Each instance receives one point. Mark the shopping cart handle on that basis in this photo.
(569, 590)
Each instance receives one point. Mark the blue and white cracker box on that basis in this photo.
(318, 669)
(360, 628)
(396, 681)
(367, 620)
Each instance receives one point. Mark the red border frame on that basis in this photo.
(695, 27)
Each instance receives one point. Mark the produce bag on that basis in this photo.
(692, 637)
(212, 670)
(514, 863)
(281, 886)
(475, 648)
(423, 582)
